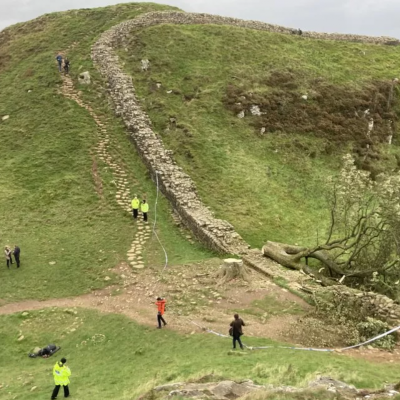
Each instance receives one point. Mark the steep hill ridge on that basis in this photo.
(176, 185)
(58, 197)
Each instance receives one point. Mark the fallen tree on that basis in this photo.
(362, 243)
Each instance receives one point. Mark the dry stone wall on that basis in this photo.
(176, 185)
(365, 304)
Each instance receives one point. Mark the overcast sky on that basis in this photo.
(371, 17)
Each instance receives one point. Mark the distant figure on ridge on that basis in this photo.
(8, 256)
(236, 330)
(17, 252)
(144, 208)
(160, 303)
(59, 60)
(66, 66)
(135, 207)
(61, 374)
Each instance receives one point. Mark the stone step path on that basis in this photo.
(123, 194)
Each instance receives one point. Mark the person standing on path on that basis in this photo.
(17, 252)
(61, 374)
(236, 329)
(135, 207)
(59, 60)
(144, 208)
(8, 256)
(66, 66)
(161, 309)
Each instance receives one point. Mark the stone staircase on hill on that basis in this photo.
(123, 193)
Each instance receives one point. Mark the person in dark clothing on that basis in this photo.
(17, 252)
(59, 60)
(8, 256)
(66, 66)
(236, 329)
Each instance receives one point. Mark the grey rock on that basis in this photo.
(84, 78)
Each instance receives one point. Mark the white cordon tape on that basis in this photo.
(301, 348)
(154, 226)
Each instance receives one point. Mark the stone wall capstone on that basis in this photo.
(176, 185)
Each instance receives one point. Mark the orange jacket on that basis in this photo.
(161, 306)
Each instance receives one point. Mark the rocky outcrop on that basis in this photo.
(176, 185)
(230, 390)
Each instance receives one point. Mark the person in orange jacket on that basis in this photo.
(160, 303)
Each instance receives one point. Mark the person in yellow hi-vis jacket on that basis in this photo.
(61, 375)
(135, 207)
(144, 208)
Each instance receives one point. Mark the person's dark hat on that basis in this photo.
(63, 360)
(159, 298)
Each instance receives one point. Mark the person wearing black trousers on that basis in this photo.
(144, 208)
(236, 329)
(17, 252)
(160, 303)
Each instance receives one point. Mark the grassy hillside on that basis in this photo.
(48, 202)
(270, 185)
(113, 358)
(71, 234)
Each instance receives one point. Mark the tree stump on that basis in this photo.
(232, 269)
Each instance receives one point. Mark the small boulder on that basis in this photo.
(25, 314)
(107, 278)
(21, 338)
(5, 117)
(145, 65)
(84, 78)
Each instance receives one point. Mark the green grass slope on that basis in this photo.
(113, 358)
(48, 202)
(270, 186)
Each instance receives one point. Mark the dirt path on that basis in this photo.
(197, 299)
(193, 295)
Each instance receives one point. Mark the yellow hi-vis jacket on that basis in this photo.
(61, 374)
(144, 207)
(135, 203)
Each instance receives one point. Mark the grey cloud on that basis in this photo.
(369, 17)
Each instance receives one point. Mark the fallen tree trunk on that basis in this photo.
(290, 257)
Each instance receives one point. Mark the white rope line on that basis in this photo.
(154, 226)
(301, 348)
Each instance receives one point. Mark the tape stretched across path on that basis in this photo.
(154, 225)
(302, 348)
